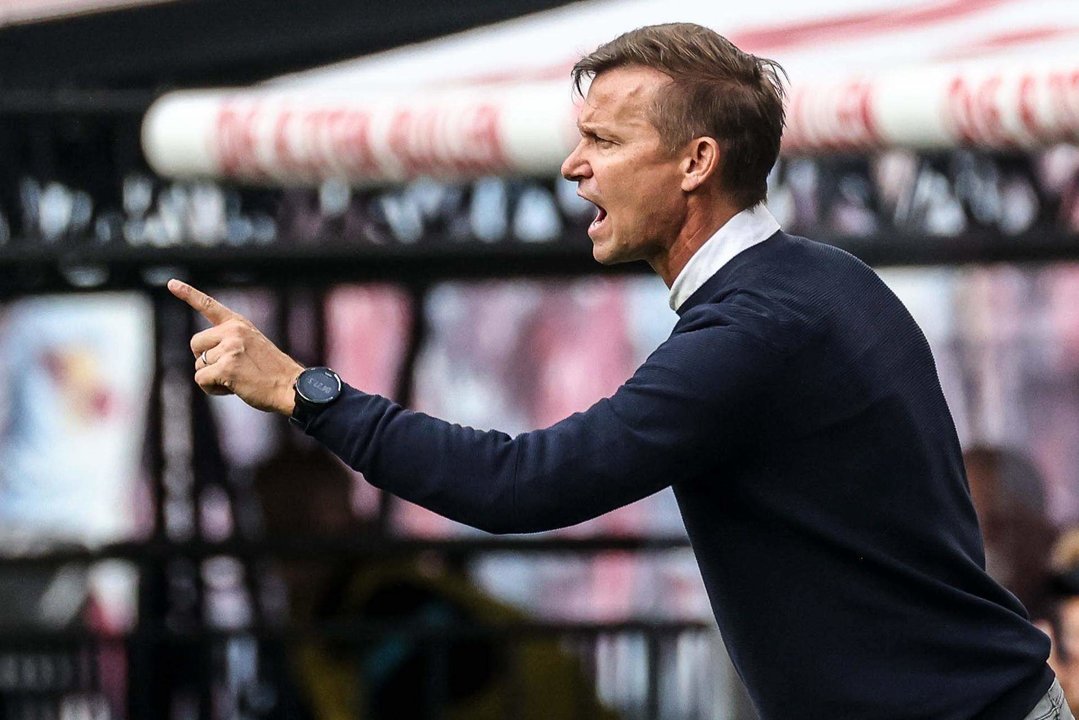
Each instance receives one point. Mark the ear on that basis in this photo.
(700, 162)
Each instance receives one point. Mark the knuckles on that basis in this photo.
(237, 327)
(233, 342)
(236, 332)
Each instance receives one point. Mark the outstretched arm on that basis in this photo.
(688, 408)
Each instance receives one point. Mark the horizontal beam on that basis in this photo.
(365, 631)
(31, 269)
(354, 547)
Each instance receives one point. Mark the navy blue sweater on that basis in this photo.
(797, 412)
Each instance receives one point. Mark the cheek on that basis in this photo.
(660, 182)
(665, 203)
(642, 196)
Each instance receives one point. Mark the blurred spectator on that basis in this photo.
(1009, 498)
(306, 493)
(1061, 619)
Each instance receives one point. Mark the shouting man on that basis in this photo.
(795, 409)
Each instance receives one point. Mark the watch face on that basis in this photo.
(318, 385)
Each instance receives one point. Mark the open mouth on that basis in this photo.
(601, 215)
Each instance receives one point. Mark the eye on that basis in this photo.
(597, 140)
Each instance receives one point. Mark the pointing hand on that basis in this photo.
(233, 357)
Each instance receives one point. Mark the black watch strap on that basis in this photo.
(302, 415)
(316, 389)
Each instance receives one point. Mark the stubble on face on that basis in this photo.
(632, 178)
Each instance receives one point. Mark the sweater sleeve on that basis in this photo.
(686, 408)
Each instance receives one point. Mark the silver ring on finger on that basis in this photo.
(203, 358)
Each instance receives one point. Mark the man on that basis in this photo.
(1008, 493)
(795, 409)
(1061, 621)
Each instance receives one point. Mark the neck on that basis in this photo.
(703, 219)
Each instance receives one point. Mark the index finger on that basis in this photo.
(206, 306)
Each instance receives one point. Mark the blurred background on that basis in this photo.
(376, 186)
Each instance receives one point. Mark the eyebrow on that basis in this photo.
(591, 129)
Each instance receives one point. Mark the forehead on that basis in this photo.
(622, 95)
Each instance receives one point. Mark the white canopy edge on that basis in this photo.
(305, 137)
(865, 74)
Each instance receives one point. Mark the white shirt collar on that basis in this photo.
(744, 230)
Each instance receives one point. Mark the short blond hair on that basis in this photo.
(717, 91)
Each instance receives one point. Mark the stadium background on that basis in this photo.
(165, 555)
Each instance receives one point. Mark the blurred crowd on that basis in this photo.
(513, 355)
(942, 195)
(76, 372)
(1036, 561)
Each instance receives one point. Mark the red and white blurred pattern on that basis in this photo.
(864, 74)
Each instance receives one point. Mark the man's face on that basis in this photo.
(622, 166)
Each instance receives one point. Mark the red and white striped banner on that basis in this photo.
(1018, 105)
(303, 137)
(865, 74)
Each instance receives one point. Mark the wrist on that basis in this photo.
(315, 389)
(287, 391)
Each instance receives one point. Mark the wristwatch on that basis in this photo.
(316, 388)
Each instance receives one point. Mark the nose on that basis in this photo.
(575, 167)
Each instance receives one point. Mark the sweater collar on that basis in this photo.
(746, 229)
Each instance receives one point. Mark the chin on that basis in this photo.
(610, 253)
(606, 257)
